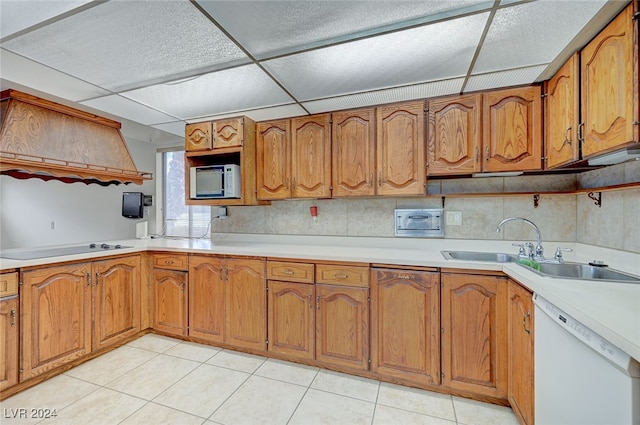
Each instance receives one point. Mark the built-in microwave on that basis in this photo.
(214, 181)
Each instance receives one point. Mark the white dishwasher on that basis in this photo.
(580, 378)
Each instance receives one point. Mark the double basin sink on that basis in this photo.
(565, 270)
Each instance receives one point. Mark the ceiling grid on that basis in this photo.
(165, 63)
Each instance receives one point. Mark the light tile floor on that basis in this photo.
(160, 380)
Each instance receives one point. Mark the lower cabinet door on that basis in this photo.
(405, 324)
(56, 317)
(170, 301)
(246, 304)
(206, 298)
(9, 358)
(291, 308)
(521, 383)
(342, 326)
(474, 333)
(116, 300)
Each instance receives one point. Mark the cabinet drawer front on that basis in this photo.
(291, 272)
(170, 261)
(342, 275)
(8, 284)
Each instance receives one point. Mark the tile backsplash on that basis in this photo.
(561, 217)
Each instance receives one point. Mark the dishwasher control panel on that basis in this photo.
(419, 222)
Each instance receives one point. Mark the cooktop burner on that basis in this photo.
(58, 252)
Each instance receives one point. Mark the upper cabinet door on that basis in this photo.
(610, 86)
(228, 133)
(311, 157)
(198, 137)
(562, 114)
(353, 152)
(401, 161)
(455, 135)
(273, 159)
(512, 127)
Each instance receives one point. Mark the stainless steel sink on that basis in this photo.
(583, 271)
(494, 257)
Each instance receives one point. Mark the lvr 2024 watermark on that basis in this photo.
(31, 413)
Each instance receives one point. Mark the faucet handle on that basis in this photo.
(558, 255)
(521, 250)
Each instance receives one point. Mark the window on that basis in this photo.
(180, 220)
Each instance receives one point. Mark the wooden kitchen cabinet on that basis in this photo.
(562, 115)
(222, 142)
(116, 300)
(9, 330)
(246, 303)
(342, 326)
(400, 149)
(170, 301)
(353, 153)
(521, 366)
(198, 137)
(291, 319)
(474, 333)
(405, 322)
(206, 298)
(311, 156)
(273, 139)
(455, 135)
(228, 301)
(56, 317)
(295, 165)
(512, 129)
(609, 75)
(228, 132)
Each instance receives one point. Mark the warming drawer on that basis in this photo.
(419, 222)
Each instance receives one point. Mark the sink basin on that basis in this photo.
(583, 271)
(494, 257)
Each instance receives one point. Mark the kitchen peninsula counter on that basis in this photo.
(611, 309)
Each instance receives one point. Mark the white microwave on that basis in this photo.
(214, 181)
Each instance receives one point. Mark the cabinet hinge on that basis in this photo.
(543, 95)
(442, 375)
(636, 123)
(441, 330)
(369, 361)
(635, 16)
(21, 370)
(266, 341)
(20, 283)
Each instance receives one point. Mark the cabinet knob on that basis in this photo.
(524, 323)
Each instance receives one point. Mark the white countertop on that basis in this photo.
(610, 309)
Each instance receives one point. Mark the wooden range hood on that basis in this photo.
(47, 140)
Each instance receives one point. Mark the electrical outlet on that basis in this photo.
(222, 213)
(454, 218)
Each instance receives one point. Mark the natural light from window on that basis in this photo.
(180, 220)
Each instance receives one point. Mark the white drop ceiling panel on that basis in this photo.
(533, 33)
(228, 91)
(262, 114)
(400, 58)
(378, 97)
(266, 28)
(176, 127)
(123, 107)
(125, 44)
(22, 71)
(18, 15)
(513, 77)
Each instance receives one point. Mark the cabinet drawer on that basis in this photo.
(170, 261)
(342, 275)
(8, 284)
(291, 272)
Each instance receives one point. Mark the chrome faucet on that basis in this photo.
(535, 253)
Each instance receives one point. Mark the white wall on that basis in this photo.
(80, 212)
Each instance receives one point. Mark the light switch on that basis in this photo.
(454, 218)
